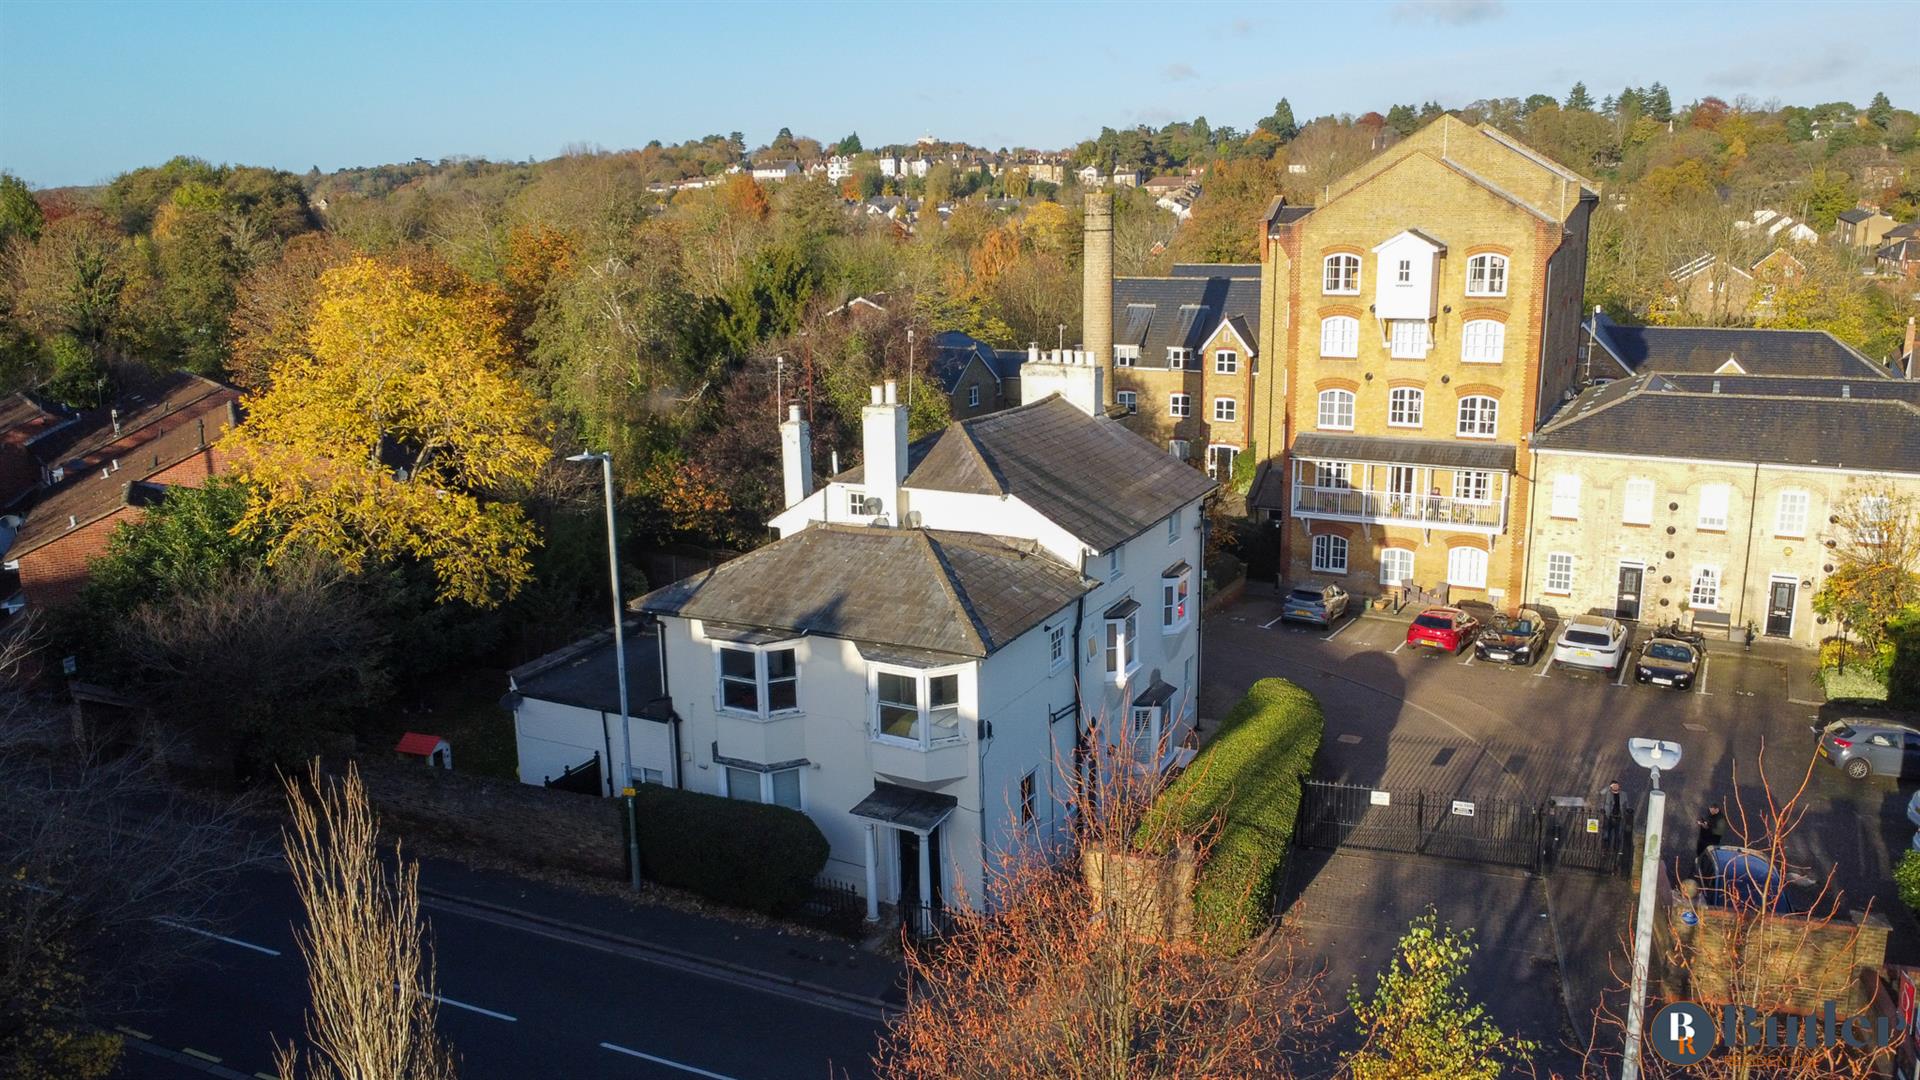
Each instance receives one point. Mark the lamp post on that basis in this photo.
(1652, 755)
(619, 662)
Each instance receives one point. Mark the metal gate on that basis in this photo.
(1535, 837)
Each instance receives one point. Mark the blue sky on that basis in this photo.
(88, 90)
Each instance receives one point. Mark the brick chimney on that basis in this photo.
(883, 449)
(1096, 308)
(796, 456)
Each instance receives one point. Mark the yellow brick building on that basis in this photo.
(1186, 360)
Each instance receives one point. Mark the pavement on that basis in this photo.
(540, 980)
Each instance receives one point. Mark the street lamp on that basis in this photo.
(1651, 755)
(619, 662)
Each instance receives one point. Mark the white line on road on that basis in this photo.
(1342, 628)
(1546, 669)
(1400, 646)
(124, 1030)
(664, 1061)
(473, 1008)
(201, 1054)
(1703, 676)
(219, 937)
(1268, 625)
(1468, 662)
(1625, 662)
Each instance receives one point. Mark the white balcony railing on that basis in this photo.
(1366, 491)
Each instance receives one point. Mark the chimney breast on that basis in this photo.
(796, 456)
(883, 449)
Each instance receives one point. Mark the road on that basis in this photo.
(517, 1002)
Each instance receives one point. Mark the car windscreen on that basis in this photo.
(1305, 596)
(1841, 730)
(1660, 650)
(1434, 622)
(1588, 637)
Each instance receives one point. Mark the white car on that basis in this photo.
(1591, 641)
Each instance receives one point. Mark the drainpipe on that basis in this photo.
(1079, 701)
(1526, 552)
(1753, 511)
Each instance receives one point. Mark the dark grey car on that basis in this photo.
(1320, 604)
(1863, 748)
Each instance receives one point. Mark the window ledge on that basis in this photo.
(1465, 360)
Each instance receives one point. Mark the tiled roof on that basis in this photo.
(1857, 214)
(1670, 417)
(1448, 454)
(951, 593)
(1212, 270)
(1703, 350)
(152, 402)
(1158, 313)
(954, 350)
(583, 674)
(1089, 475)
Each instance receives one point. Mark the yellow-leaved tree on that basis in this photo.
(398, 432)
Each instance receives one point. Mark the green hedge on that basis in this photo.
(1903, 672)
(1247, 779)
(745, 854)
(1906, 874)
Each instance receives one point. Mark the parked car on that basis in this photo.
(1863, 748)
(1913, 815)
(1666, 661)
(1519, 638)
(1320, 604)
(1591, 641)
(1741, 875)
(1443, 628)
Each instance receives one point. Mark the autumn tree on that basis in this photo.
(399, 433)
(1225, 226)
(274, 306)
(1877, 560)
(1419, 1021)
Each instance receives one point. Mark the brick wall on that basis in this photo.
(1793, 963)
(531, 825)
(51, 575)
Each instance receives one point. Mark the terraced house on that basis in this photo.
(1185, 360)
(1427, 316)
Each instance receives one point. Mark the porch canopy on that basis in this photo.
(900, 807)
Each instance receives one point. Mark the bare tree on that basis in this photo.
(369, 966)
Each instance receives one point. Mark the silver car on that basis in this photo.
(1320, 604)
(1863, 748)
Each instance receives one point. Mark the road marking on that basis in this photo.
(1694, 727)
(1622, 680)
(1811, 704)
(1268, 625)
(1546, 670)
(663, 1061)
(1468, 662)
(201, 1054)
(473, 1008)
(1342, 628)
(1400, 646)
(129, 1031)
(219, 937)
(1349, 738)
(267, 1076)
(1702, 688)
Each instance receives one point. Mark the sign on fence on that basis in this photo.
(1464, 809)
(1380, 798)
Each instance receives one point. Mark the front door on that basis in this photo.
(1626, 605)
(1780, 600)
(909, 870)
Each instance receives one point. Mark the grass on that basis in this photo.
(463, 707)
(1855, 683)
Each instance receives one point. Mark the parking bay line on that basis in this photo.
(218, 937)
(1702, 688)
(1268, 625)
(1341, 628)
(663, 1061)
(1400, 646)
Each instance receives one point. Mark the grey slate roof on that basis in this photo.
(1857, 214)
(1442, 452)
(1800, 386)
(1158, 313)
(582, 675)
(956, 594)
(1089, 475)
(1209, 270)
(954, 350)
(1861, 432)
(1701, 350)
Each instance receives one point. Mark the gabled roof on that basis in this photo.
(155, 401)
(1857, 214)
(1701, 349)
(1089, 475)
(1415, 234)
(1183, 310)
(950, 593)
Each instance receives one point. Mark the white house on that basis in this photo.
(566, 714)
(776, 170)
(939, 630)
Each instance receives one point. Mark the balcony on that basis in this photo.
(1391, 494)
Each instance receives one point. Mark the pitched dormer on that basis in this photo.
(1407, 284)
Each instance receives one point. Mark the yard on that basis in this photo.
(462, 707)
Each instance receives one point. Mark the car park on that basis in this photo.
(1666, 661)
(1320, 604)
(1519, 638)
(1443, 628)
(1591, 641)
(1863, 748)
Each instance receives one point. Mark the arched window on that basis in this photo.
(1487, 275)
(1341, 274)
(1336, 410)
(1405, 406)
(1479, 416)
(1483, 341)
(1339, 336)
(1329, 554)
(1467, 568)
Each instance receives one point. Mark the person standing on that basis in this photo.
(1712, 826)
(1612, 812)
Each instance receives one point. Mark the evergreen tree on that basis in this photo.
(1430, 110)
(1880, 111)
(1659, 103)
(1631, 103)
(849, 146)
(1403, 119)
(1537, 101)
(1578, 98)
(1281, 122)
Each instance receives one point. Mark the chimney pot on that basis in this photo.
(893, 392)
(876, 394)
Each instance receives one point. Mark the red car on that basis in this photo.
(1443, 628)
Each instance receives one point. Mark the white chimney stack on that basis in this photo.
(1075, 374)
(883, 447)
(796, 456)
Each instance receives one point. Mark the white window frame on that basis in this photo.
(1403, 274)
(763, 792)
(1340, 274)
(1333, 475)
(923, 703)
(1225, 410)
(1636, 503)
(1792, 524)
(1056, 647)
(1406, 407)
(1874, 513)
(1128, 399)
(1715, 507)
(1226, 362)
(1120, 647)
(1396, 566)
(973, 396)
(762, 683)
(1177, 357)
(1213, 459)
(1341, 401)
(1566, 497)
(1704, 592)
(1467, 567)
(856, 502)
(1173, 527)
(1126, 355)
(1559, 578)
(1340, 336)
(1487, 275)
(1176, 602)
(1180, 405)
(1113, 565)
(1408, 339)
(1180, 448)
(1483, 341)
(1330, 553)
(1473, 485)
(1481, 421)
(1029, 794)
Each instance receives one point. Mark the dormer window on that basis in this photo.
(1487, 275)
(1125, 355)
(1178, 357)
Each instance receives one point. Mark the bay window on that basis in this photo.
(778, 787)
(757, 681)
(917, 707)
(1123, 625)
(1175, 584)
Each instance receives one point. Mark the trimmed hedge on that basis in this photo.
(745, 854)
(1906, 875)
(1247, 780)
(1903, 672)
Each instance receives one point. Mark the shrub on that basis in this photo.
(1903, 667)
(1906, 874)
(1244, 786)
(745, 854)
